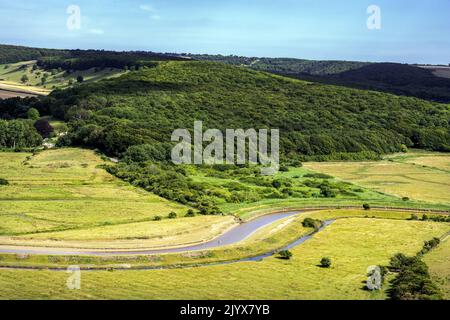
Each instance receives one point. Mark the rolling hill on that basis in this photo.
(314, 119)
(400, 79)
(164, 92)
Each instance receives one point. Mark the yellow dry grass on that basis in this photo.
(403, 179)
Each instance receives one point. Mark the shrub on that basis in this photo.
(157, 218)
(147, 152)
(405, 199)
(33, 114)
(312, 223)
(172, 215)
(327, 192)
(277, 184)
(44, 128)
(404, 148)
(80, 79)
(190, 213)
(366, 206)
(285, 254)
(414, 217)
(399, 261)
(430, 245)
(318, 176)
(284, 169)
(3, 182)
(325, 262)
(413, 281)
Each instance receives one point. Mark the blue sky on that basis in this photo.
(411, 31)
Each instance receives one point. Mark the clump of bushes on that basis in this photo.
(325, 263)
(190, 213)
(4, 182)
(312, 223)
(413, 281)
(172, 215)
(366, 206)
(436, 218)
(430, 245)
(326, 191)
(285, 254)
(157, 218)
(318, 176)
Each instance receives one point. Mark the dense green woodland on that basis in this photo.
(396, 78)
(286, 65)
(133, 117)
(12, 54)
(18, 134)
(316, 121)
(81, 59)
(87, 59)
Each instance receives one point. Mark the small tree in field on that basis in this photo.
(285, 254)
(325, 262)
(24, 78)
(366, 206)
(80, 79)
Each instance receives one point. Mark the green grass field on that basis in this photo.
(438, 262)
(11, 77)
(64, 189)
(62, 199)
(418, 176)
(298, 178)
(352, 244)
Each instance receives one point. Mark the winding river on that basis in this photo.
(233, 236)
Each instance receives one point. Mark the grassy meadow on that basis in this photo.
(11, 77)
(65, 189)
(62, 198)
(438, 262)
(352, 244)
(417, 176)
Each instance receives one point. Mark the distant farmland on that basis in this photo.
(5, 94)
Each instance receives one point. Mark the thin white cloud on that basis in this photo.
(96, 31)
(147, 7)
